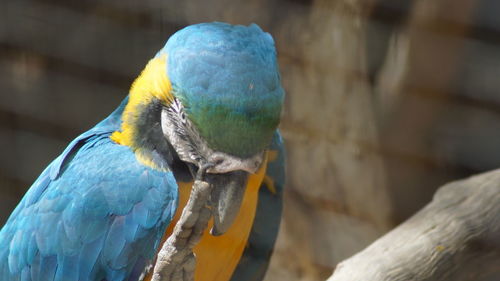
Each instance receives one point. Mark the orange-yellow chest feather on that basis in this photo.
(218, 256)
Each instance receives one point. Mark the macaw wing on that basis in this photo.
(102, 218)
(255, 259)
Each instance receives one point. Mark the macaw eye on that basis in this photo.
(218, 161)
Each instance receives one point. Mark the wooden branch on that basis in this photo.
(176, 261)
(455, 237)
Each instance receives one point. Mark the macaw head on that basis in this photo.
(219, 99)
(228, 95)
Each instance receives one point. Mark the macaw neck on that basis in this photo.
(141, 119)
(144, 136)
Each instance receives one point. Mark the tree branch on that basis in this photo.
(455, 237)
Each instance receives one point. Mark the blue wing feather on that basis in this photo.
(94, 214)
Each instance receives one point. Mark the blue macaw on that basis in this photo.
(100, 210)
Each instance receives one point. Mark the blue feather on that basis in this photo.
(115, 240)
(67, 268)
(35, 269)
(32, 249)
(138, 269)
(91, 215)
(26, 274)
(88, 258)
(47, 267)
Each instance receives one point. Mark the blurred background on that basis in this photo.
(386, 101)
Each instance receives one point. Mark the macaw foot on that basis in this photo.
(219, 195)
(176, 261)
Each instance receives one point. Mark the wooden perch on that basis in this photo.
(176, 261)
(455, 237)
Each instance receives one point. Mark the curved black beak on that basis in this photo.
(226, 198)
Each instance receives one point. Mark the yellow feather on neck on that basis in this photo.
(153, 83)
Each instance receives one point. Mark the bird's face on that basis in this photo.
(193, 148)
(225, 106)
(227, 173)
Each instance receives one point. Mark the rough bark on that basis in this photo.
(455, 237)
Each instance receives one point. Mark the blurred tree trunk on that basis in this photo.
(454, 238)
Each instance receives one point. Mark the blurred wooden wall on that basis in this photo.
(386, 101)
